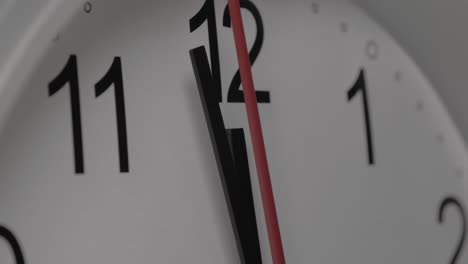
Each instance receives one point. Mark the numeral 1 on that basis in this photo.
(69, 75)
(360, 86)
(207, 13)
(114, 77)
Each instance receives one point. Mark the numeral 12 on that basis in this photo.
(207, 13)
(69, 75)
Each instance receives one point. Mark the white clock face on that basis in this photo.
(107, 157)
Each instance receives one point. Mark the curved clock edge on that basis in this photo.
(431, 32)
(27, 29)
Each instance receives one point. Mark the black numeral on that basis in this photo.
(207, 13)
(69, 75)
(360, 86)
(234, 94)
(114, 77)
(14, 244)
(442, 208)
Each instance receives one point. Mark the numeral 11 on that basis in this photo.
(69, 75)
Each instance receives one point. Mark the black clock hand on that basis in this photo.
(231, 157)
(242, 198)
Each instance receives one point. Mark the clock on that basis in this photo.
(197, 131)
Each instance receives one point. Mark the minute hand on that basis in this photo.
(231, 157)
(255, 126)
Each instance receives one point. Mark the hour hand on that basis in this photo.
(231, 157)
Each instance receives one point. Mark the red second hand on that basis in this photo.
(255, 126)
